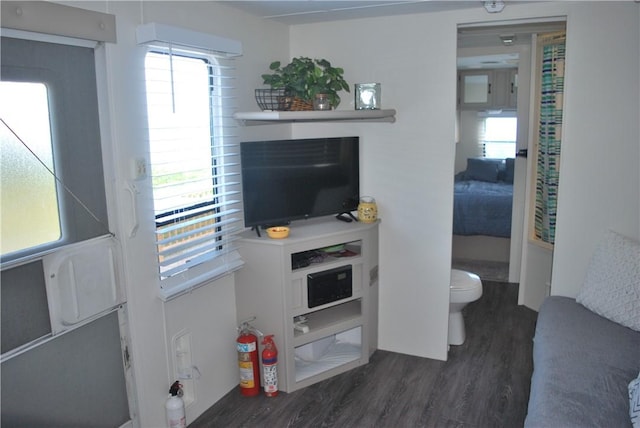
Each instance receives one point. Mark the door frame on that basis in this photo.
(537, 256)
(518, 264)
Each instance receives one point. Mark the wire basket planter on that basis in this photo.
(281, 100)
(273, 99)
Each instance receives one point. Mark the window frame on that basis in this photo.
(225, 257)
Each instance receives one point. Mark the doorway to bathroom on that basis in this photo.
(492, 171)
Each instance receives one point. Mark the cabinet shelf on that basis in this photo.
(328, 353)
(263, 117)
(320, 320)
(322, 256)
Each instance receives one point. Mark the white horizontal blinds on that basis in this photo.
(194, 155)
(497, 134)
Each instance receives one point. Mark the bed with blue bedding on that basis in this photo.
(483, 194)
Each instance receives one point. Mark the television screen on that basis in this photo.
(286, 180)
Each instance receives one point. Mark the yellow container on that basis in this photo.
(278, 232)
(367, 210)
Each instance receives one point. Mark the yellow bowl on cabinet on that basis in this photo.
(278, 232)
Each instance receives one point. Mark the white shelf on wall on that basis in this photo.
(262, 117)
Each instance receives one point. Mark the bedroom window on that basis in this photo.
(498, 136)
(194, 162)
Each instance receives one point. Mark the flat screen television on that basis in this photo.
(285, 180)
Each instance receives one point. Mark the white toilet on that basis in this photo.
(465, 287)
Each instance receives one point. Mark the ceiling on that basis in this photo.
(496, 36)
(294, 12)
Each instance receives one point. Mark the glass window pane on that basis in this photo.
(29, 200)
(499, 137)
(179, 130)
(500, 129)
(500, 150)
(476, 88)
(179, 90)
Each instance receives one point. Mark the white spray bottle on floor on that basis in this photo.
(175, 407)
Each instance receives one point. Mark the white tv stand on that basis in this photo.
(337, 336)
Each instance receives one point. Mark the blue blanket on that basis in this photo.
(482, 208)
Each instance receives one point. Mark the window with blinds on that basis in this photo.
(194, 164)
(498, 134)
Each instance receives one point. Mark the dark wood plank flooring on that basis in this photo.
(484, 383)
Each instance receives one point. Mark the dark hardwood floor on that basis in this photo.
(484, 383)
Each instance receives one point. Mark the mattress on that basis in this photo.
(482, 208)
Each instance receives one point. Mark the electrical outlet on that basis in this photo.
(139, 168)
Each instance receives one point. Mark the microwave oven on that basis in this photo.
(329, 286)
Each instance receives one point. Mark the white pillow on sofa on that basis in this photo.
(612, 284)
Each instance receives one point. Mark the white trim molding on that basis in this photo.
(59, 20)
(167, 34)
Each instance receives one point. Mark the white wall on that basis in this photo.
(599, 169)
(408, 166)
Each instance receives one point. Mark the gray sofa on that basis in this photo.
(586, 352)
(583, 364)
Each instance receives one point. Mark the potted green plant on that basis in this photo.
(305, 77)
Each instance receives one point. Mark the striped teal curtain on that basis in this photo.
(549, 135)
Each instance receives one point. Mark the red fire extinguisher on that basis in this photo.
(247, 344)
(269, 366)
